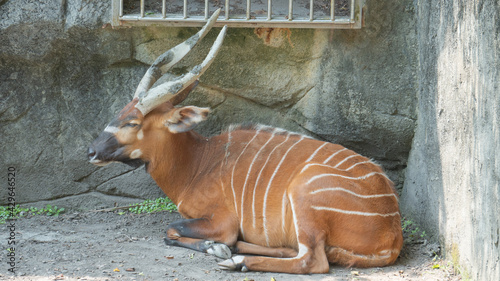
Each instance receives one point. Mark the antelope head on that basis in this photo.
(153, 107)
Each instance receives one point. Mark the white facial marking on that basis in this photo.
(111, 129)
(140, 135)
(136, 154)
(98, 162)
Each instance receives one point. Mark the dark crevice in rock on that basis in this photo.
(19, 117)
(81, 179)
(114, 177)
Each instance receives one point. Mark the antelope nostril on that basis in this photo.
(91, 153)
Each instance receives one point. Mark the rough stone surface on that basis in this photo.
(452, 182)
(60, 82)
(63, 77)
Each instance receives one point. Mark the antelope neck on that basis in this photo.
(176, 162)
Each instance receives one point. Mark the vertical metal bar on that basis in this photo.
(227, 9)
(311, 12)
(142, 8)
(185, 10)
(206, 10)
(290, 10)
(120, 13)
(164, 8)
(352, 10)
(332, 11)
(248, 9)
(269, 9)
(115, 12)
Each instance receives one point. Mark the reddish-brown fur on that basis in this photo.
(293, 202)
(297, 226)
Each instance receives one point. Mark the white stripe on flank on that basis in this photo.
(364, 162)
(353, 193)
(316, 152)
(345, 177)
(264, 218)
(333, 155)
(345, 159)
(328, 166)
(366, 214)
(226, 156)
(283, 212)
(279, 130)
(385, 254)
(111, 129)
(314, 164)
(234, 168)
(260, 173)
(248, 175)
(294, 216)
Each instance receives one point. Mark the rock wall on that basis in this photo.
(452, 183)
(63, 77)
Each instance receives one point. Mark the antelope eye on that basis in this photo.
(131, 125)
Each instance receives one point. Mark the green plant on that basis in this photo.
(411, 231)
(18, 212)
(52, 210)
(153, 206)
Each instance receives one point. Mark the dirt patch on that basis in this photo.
(109, 246)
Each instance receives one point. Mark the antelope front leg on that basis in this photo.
(202, 235)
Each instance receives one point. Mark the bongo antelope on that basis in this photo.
(294, 203)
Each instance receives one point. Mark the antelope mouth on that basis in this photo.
(99, 162)
(131, 162)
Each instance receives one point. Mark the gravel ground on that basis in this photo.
(109, 246)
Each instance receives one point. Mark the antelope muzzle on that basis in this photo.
(106, 149)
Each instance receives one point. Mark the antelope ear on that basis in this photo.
(185, 118)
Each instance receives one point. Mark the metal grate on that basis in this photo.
(333, 14)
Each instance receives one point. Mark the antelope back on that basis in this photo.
(264, 167)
